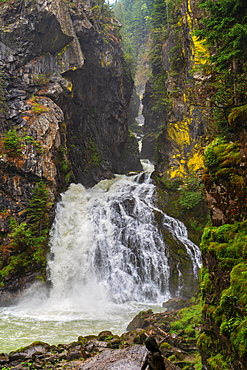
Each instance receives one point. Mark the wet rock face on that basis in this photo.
(67, 94)
(67, 53)
(172, 132)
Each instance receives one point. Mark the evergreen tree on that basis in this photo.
(136, 24)
(225, 31)
(159, 14)
(38, 208)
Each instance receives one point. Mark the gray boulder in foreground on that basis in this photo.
(132, 358)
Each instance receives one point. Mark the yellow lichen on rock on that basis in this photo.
(179, 132)
(177, 171)
(196, 163)
(200, 52)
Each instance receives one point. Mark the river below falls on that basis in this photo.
(23, 324)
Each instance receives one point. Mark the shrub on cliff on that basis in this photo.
(13, 143)
(28, 241)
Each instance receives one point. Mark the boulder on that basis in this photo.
(132, 358)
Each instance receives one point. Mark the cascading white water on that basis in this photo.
(105, 242)
(180, 232)
(108, 261)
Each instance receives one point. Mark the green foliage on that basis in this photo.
(189, 321)
(220, 156)
(35, 143)
(159, 95)
(225, 35)
(176, 56)
(135, 19)
(29, 240)
(159, 14)
(39, 108)
(227, 246)
(13, 143)
(238, 117)
(64, 163)
(41, 79)
(192, 193)
(94, 156)
(38, 208)
(218, 362)
(225, 30)
(172, 184)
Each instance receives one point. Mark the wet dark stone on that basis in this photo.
(132, 358)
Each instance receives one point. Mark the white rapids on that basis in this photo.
(108, 261)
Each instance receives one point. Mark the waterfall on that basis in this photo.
(106, 245)
(108, 261)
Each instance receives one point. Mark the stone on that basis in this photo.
(132, 358)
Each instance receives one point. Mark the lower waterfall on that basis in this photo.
(108, 260)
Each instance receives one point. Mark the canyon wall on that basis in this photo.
(200, 131)
(65, 92)
(174, 124)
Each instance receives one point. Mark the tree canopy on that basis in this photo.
(225, 30)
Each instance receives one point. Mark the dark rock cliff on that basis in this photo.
(64, 118)
(174, 125)
(174, 129)
(179, 132)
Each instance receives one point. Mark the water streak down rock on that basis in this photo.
(67, 92)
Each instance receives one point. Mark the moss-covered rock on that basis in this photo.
(224, 294)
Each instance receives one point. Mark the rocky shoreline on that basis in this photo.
(109, 351)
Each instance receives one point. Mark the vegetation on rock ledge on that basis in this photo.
(224, 292)
(28, 241)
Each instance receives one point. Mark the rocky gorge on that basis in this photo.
(67, 93)
(109, 351)
(65, 90)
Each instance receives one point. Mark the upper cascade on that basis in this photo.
(106, 240)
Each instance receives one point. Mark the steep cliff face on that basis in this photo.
(204, 105)
(223, 338)
(64, 114)
(174, 121)
(174, 130)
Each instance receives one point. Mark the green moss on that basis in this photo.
(39, 108)
(223, 173)
(93, 156)
(238, 116)
(221, 157)
(189, 322)
(206, 285)
(184, 199)
(205, 343)
(225, 300)
(165, 345)
(218, 362)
